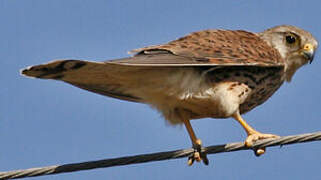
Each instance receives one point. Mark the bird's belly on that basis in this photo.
(219, 100)
(253, 86)
(175, 110)
(186, 94)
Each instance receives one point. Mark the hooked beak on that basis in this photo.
(308, 52)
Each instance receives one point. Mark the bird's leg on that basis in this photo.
(252, 134)
(197, 146)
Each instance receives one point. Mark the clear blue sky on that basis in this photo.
(46, 122)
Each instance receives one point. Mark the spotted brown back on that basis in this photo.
(225, 47)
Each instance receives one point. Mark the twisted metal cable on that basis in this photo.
(157, 156)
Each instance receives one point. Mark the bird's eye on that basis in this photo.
(290, 39)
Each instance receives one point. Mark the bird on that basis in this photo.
(214, 73)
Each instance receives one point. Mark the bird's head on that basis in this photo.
(296, 46)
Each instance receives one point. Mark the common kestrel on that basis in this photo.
(211, 73)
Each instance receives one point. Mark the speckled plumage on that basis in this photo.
(212, 73)
(222, 47)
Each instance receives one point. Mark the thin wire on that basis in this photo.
(157, 156)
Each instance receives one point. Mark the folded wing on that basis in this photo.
(155, 64)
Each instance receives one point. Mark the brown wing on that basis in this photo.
(205, 48)
(213, 47)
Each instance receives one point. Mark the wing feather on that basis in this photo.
(168, 59)
(220, 47)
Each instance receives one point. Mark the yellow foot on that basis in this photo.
(198, 155)
(250, 140)
(254, 136)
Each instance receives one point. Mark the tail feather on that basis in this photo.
(98, 77)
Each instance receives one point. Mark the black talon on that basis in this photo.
(191, 159)
(204, 158)
(259, 151)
